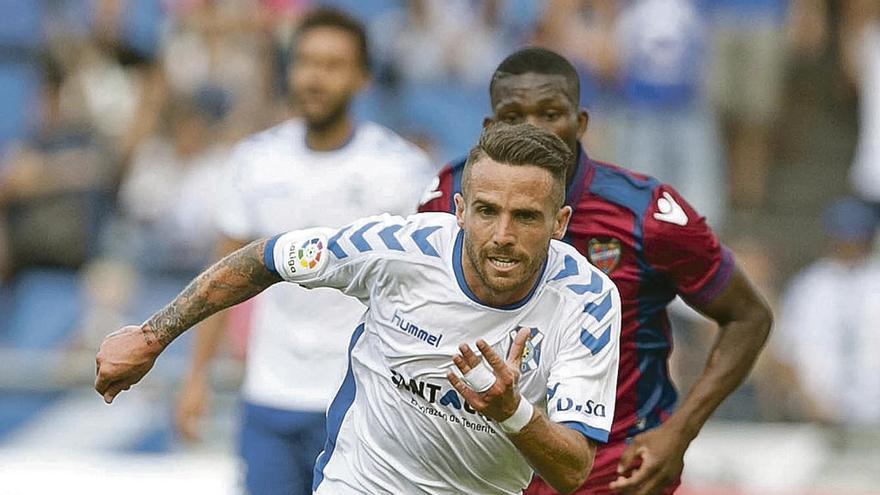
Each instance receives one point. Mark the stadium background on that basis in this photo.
(104, 101)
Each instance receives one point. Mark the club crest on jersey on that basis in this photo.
(531, 356)
(604, 253)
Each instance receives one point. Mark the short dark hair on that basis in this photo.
(522, 144)
(539, 61)
(335, 18)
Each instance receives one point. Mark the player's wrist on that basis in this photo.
(153, 345)
(521, 417)
(684, 432)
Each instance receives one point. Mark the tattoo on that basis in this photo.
(236, 278)
(149, 334)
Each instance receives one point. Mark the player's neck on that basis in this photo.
(330, 137)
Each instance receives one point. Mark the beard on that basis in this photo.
(328, 119)
(501, 285)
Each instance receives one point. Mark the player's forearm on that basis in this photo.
(562, 456)
(732, 357)
(210, 333)
(234, 279)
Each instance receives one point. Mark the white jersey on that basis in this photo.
(275, 183)
(397, 425)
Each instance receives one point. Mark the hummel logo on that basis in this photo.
(670, 211)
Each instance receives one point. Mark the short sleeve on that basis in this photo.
(680, 244)
(582, 383)
(232, 216)
(353, 259)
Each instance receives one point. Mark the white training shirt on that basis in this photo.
(275, 183)
(397, 425)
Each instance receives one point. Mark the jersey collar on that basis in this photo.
(577, 186)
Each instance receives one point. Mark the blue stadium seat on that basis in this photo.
(44, 305)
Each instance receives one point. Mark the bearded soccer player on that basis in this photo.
(322, 168)
(654, 246)
(420, 410)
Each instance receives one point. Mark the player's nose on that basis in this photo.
(536, 121)
(503, 234)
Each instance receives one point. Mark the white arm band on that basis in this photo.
(520, 418)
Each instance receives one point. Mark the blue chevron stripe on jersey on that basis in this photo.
(595, 285)
(420, 237)
(333, 246)
(357, 238)
(598, 311)
(594, 344)
(569, 270)
(387, 236)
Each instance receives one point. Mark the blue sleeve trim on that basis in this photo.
(590, 432)
(719, 281)
(269, 255)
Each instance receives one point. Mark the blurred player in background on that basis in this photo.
(420, 411)
(319, 169)
(654, 246)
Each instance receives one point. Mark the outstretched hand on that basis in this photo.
(661, 452)
(500, 401)
(124, 357)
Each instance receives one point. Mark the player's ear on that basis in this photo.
(487, 121)
(560, 224)
(459, 209)
(583, 122)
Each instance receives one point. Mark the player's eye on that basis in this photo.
(486, 211)
(550, 115)
(526, 216)
(511, 118)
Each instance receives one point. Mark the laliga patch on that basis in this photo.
(531, 356)
(306, 256)
(604, 253)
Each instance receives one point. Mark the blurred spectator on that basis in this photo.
(56, 186)
(828, 328)
(431, 41)
(224, 44)
(583, 30)
(169, 194)
(748, 62)
(862, 32)
(164, 232)
(667, 129)
(321, 168)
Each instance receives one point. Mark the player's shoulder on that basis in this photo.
(422, 236)
(573, 276)
(656, 203)
(284, 133)
(625, 188)
(378, 139)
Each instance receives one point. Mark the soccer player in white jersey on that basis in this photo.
(487, 350)
(319, 169)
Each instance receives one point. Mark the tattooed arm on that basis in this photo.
(127, 355)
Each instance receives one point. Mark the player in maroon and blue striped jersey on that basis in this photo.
(654, 246)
